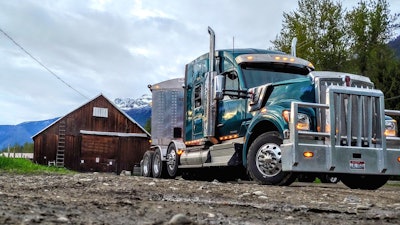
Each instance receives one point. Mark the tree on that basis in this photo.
(370, 28)
(17, 148)
(352, 41)
(147, 126)
(318, 26)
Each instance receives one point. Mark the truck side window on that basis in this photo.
(228, 65)
(231, 81)
(197, 96)
(231, 84)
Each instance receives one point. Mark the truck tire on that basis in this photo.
(159, 168)
(329, 179)
(364, 182)
(172, 161)
(264, 162)
(147, 163)
(306, 178)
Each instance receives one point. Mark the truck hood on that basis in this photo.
(299, 89)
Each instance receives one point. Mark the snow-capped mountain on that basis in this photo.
(138, 109)
(131, 103)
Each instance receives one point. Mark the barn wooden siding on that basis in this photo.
(92, 143)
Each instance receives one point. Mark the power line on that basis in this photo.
(392, 98)
(41, 64)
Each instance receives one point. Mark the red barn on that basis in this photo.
(97, 136)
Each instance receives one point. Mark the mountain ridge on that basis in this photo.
(138, 109)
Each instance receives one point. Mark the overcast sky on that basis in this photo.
(116, 47)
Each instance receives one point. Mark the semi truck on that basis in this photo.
(270, 116)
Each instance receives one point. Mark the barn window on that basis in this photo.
(100, 112)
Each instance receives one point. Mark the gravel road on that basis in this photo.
(98, 198)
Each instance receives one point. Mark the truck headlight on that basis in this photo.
(391, 128)
(303, 121)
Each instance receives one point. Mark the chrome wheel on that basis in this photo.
(268, 159)
(156, 164)
(264, 163)
(147, 163)
(171, 160)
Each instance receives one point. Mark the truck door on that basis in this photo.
(232, 109)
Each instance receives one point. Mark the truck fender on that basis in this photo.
(259, 126)
(178, 144)
(162, 149)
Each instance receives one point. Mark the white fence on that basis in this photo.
(17, 155)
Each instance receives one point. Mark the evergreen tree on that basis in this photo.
(318, 27)
(352, 41)
(370, 28)
(17, 148)
(147, 126)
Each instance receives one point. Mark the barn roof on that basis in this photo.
(115, 106)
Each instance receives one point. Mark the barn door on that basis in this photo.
(99, 153)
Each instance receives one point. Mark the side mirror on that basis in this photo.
(259, 96)
(219, 82)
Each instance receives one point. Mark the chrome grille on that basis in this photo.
(355, 116)
(321, 86)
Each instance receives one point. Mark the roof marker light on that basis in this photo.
(347, 80)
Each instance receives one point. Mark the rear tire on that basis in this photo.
(147, 163)
(364, 182)
(159, 168)
(264, 161)
(172, 161)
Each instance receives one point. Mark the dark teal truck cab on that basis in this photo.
(276, 118)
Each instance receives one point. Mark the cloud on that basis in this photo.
(114, 47)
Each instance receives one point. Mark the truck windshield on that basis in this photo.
(256, 74)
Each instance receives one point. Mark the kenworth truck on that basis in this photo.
(272, 116)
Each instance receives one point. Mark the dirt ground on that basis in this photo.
(96, 198)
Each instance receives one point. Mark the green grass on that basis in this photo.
(25, 166)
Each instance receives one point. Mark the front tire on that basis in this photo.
(264, 161)
(147, 163)
(364, 182)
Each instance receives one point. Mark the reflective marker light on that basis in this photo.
(308, 154)
(195, 142)
(286, 115)
(228, 137)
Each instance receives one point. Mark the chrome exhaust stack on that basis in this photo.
(210, 111)
(293, 47)
(212, 50)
